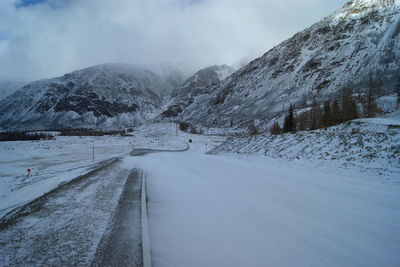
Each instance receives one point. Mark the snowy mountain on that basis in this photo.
(198, 84)
(100, 96)
(172, 73)
(9, 86)
(340, 51)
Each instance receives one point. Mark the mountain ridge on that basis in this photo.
(199, 83)
(339, 51)
(343, 51)
(106, 95)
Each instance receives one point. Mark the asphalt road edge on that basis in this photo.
(145, 226)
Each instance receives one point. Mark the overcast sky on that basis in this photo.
(47, 38)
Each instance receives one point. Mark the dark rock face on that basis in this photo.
(198, 84)
(172, 112)
(82, 104)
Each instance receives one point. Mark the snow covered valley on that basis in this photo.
(219, 209)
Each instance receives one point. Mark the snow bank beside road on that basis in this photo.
(371, 145)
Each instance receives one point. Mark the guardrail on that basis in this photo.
(142, 151)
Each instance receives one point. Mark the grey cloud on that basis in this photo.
(47, 40)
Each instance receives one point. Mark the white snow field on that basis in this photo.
(221, 210)
(207, 210)
(51, 162)
(56, 161)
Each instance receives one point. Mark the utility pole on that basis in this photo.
(93, 152)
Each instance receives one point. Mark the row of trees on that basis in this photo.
(24, 136)
(330, 112)
(27, 136)
(189, 128)
(90, 132)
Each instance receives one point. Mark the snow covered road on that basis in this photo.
(220, 211)
(64, 227)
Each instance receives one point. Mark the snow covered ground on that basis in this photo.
(51, 163)
(56, 161)
(208, 210)
(221, 210)
(369, 146)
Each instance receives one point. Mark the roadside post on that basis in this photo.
(93, 151)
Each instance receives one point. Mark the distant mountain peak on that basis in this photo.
(198, 84)
(358, 7)
(113, 94)
(373, 2)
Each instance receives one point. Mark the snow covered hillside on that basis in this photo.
(201, 83)
(341, 51)
(371, 145)
(109, 95)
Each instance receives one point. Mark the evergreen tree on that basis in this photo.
(336, 113)
(289, 125)
(371, 107)
(303, 121)
(315, 115)
(183, 126)
(276, 129)
(349, 106)
(326, 119)
(252, 129)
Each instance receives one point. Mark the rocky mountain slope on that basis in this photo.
(198, 84)
(340, 51)
(100, 96)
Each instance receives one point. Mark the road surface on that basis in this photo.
(68, 225)
(219, 211)
(207, 210)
